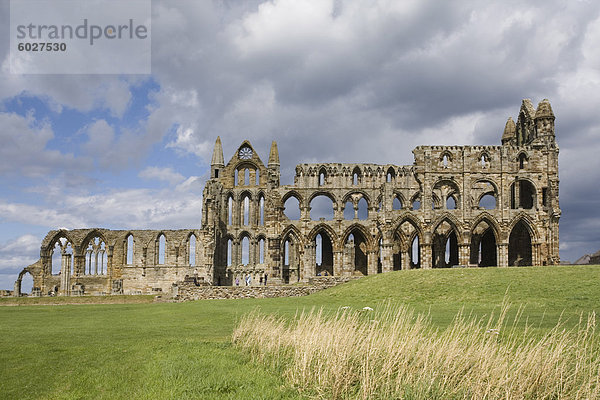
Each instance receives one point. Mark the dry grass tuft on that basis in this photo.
(393, 353)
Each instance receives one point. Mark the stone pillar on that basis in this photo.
(348, 258)
(305, 213)
(502, 254)
(252, 247)
(405, 259)
(463, 254)
(338, 263)
(65, 275)
(387, 257)
(425, 253)
(309, 260)
(372, 262)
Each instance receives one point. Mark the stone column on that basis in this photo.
(372, 262)
(65, 274)
(348, 258)
(405, 259)
(463, 254)
(502, 254)
(386, 257)
(309, 260)
(337, 263)
(425, 252)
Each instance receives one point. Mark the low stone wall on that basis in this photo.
(186, 291)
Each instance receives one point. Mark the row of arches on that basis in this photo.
(96, 253)
(245, 211)
(406, 250)
(245, 250)
(445, 195)
(353, 176)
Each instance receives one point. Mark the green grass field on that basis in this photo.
(183, 350)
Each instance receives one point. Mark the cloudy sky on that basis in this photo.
(347, 81)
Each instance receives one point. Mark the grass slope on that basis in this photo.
(139, 351)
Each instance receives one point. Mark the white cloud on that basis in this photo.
(24, 148)
(162, 174)
(18, 253)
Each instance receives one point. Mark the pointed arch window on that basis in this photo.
(129, 244)
(192, 250)
(162, 242)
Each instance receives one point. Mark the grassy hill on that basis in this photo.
(139, 351)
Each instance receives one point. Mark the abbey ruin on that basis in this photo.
(473, 206)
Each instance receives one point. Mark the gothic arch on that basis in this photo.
(348, 196)
(363, 230)
(325, 193)
(330, 232)
(91, 235)
(407, 216)
(49, 244)
(491, 221)
(529, 223)
(452, 220)
(292, 230)
(292, 193)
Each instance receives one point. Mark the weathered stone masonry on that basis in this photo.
(456, 205)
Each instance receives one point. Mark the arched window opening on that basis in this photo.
(235, 178)
(522, 195)
(450, 203)
(261, 251)
(291, 208)
(324, 255)
(192, 250)
(129, 249)
(519, 246)
(246, 210)
(522, 161)
(396, 204)
(444, 246)
(229, 252)
(286, 252)
(257, 177)
(322, 177)
(391, 175)
(415, 249)
(321, 207)
(229, 210)
(96, 259)
(487, 202)
(445, 161)
(485, 161)
(26, 283)
(363, 209)
(62, 257)
(57, 258)
(357, 247)
(356, 175)
(162, 243)
(483, 246)
(349, 210)
(246, 177)
(245, 251)
(416, 205)
(261, 207)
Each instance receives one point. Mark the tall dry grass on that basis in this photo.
(394, 353)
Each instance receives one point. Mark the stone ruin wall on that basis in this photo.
(385, 217)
